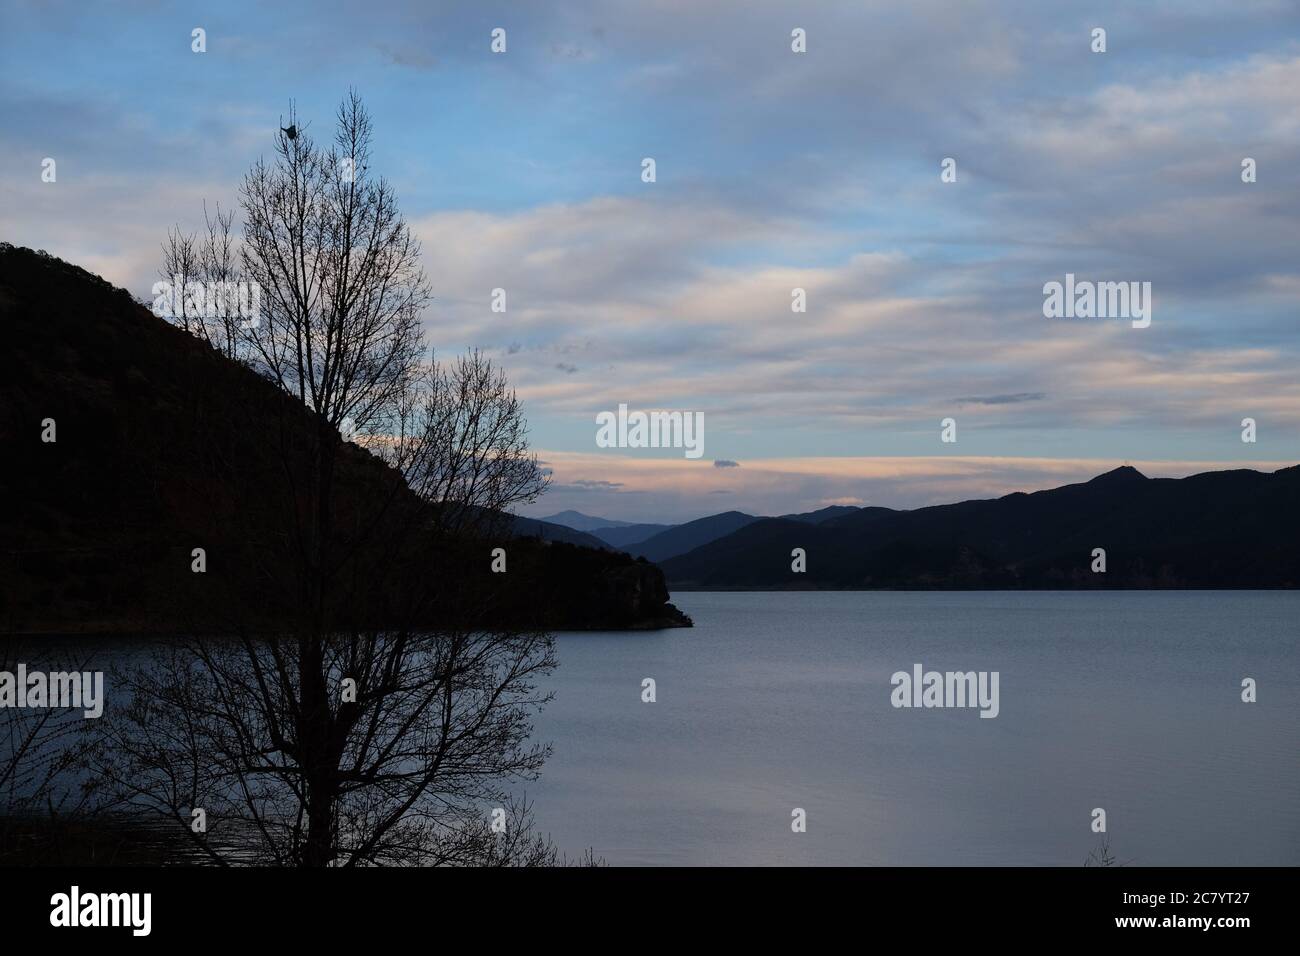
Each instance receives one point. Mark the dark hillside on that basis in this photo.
(164, 446)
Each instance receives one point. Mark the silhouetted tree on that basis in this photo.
(403, 773)
(225, 309)
(459, 438)
(343, 743)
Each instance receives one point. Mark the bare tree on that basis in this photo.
(341, 272)
(180, 267)
(459, 438)
(398, 769)
(207, 293)
(342, 292)
(339, 744)
(236, 301)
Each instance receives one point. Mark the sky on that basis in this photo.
(775, 170)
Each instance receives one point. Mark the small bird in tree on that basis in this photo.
(291, 132)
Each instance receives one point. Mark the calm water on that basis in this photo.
(1128, 701)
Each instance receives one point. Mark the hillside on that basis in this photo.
(684, 537)
(658, 542)
(624, 538)
(822, 515)
(581, 522)
(549, 531)
(164, 446)
(602, 531)
(1225, 529)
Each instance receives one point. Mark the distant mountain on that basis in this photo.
(824, 514)
(627, 537)
(855, 515)
(1225, 529)
(623, 537)
(635, 538)
(550, 531)
(685, 537)
(581, 522)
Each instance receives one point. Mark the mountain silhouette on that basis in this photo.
(163, 446)
(624, 538)
(635, 538)
(581, 522)
(1224, 529)
(823, 514)
(551, 531)
(684, 537)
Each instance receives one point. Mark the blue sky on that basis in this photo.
(775, 170)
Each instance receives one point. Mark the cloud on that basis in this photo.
(1015, 399)
(584, 484)
(725, 463)
(880, 347)
(413, 57)
(522, 172)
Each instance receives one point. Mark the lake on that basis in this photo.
(1128, 701)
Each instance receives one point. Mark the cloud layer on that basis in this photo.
(776, 171)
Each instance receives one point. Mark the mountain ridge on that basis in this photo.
(1234, 528)
(583, 522)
